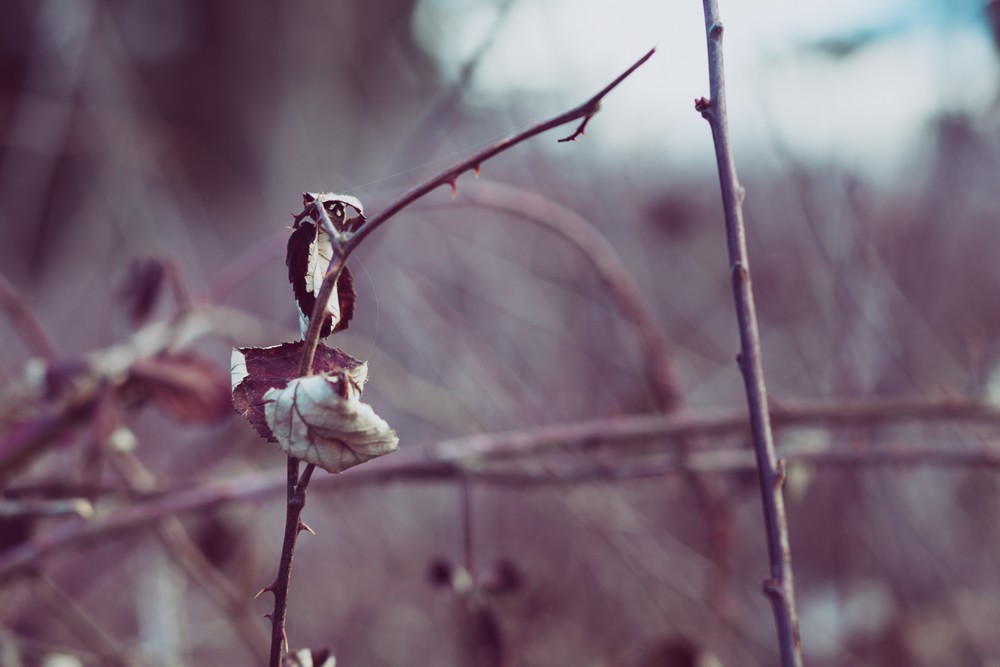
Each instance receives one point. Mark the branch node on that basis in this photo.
(739, 273)
(582, 129)
(780, 474)
(704, 106)
(772, 588)
(715, 31)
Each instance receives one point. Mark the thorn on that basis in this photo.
(454, 188)
(268, 617)
(306, 528)
(267, 589)
(476, 171)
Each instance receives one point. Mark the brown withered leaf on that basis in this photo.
(256, 370)
(309, 254)
(186, 385)
(320, 418)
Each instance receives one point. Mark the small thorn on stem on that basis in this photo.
(267, 589)
(268, 617)
(475, 171)
(454, 188)
(303, 527)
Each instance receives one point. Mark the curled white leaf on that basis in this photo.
(321, 419)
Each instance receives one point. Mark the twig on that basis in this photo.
(438, 119)
(82, 622)
(343, 247)
(182, 548)
(445, 463)
(26, 555)
(25, 322)
(779, 586)
(423, 467)
(609, 269)
(35, 507)
(107, 368)
(450, 176)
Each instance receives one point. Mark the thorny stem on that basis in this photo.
(343, 246)
(293, 512)
(778, 587)
(450, 175)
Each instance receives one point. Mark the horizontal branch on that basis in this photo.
(458, 458)
(841, 413)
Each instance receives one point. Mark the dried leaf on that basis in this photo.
(308, 258)
(257, 370)
(309, 658)
(319, 418)
(186, 385)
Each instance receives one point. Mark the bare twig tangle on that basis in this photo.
(608, 268)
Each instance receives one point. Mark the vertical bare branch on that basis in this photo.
(778, 586)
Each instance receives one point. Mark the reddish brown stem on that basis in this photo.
(293, 513)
